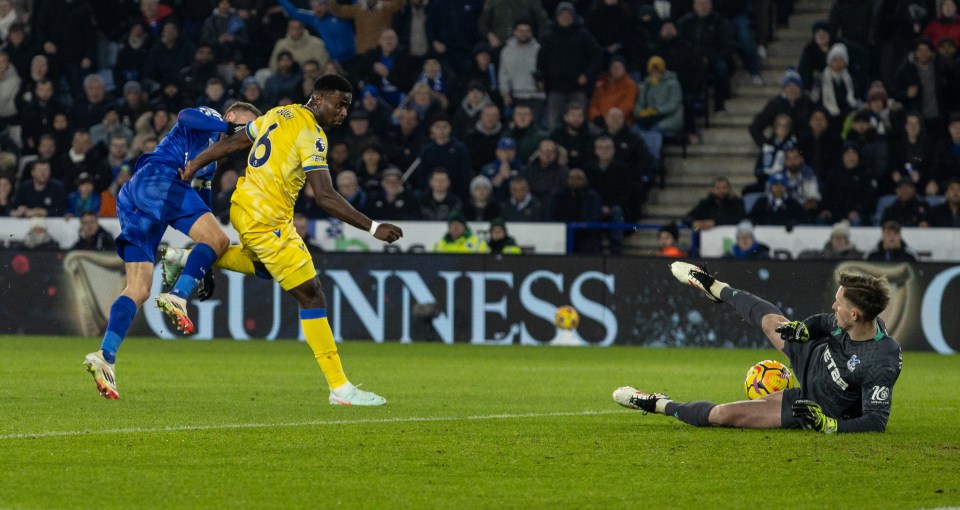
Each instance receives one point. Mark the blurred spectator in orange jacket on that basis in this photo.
(614, 89)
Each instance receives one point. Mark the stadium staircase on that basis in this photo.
(727, 148)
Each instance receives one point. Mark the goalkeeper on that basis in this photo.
(845, 362)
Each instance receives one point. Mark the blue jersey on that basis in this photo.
(156, 196)
(195, 130)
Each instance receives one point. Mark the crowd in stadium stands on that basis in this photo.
(865, 131)
(495, 110)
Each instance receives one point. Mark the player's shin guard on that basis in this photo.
(692, 413)
(199, 261)
(122, 313)
(751, 308)
(320, 339)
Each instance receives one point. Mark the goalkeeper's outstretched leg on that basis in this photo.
(764, 413)
(752, 309)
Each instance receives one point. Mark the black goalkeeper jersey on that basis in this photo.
(852, 381)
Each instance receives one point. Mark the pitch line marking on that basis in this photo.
(228, 426)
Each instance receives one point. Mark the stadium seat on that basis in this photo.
(781, 254)
(108, 84)
(262, 75)
(935, 200)
(751, 198)
(882, 203)
(24, 163)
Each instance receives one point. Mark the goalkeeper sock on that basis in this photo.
(316, 329)
(235, 260)
(751, 308)
(199, 261)
(122, 313)
(693, 413)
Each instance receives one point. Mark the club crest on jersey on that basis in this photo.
(320, 145)
(853, 362)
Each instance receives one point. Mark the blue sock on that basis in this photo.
(121, 315)
(199, 261)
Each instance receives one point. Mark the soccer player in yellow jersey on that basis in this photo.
(289, 148)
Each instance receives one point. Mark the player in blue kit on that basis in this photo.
(155, 198)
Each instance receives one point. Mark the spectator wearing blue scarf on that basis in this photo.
(746, 247)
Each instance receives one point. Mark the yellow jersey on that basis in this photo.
(287, 143)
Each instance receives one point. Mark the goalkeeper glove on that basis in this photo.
(207, 286)
(812, 418)
(795, 331)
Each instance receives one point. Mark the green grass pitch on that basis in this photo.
(225, 424)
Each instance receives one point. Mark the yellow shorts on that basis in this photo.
(279, 248)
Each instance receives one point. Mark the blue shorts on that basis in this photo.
(153, 199)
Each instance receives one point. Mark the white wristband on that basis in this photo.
(373, 227)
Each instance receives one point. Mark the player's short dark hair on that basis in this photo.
(869, 294)
(331, 82)
(241, 105)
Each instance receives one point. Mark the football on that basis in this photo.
(767, 377)
(566, 318)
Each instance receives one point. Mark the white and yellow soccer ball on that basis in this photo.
(766, 377)
(566, 318)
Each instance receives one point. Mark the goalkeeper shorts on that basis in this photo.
(787, 420)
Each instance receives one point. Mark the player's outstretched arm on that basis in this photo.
(236, 142)
(338, 207)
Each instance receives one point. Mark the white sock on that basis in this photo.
(717, 286)
(661, 407)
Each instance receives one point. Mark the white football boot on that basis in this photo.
(176, 308)
(172, 262)
(103, 375)
(357, 397)
(632, 398)
(698, 278)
